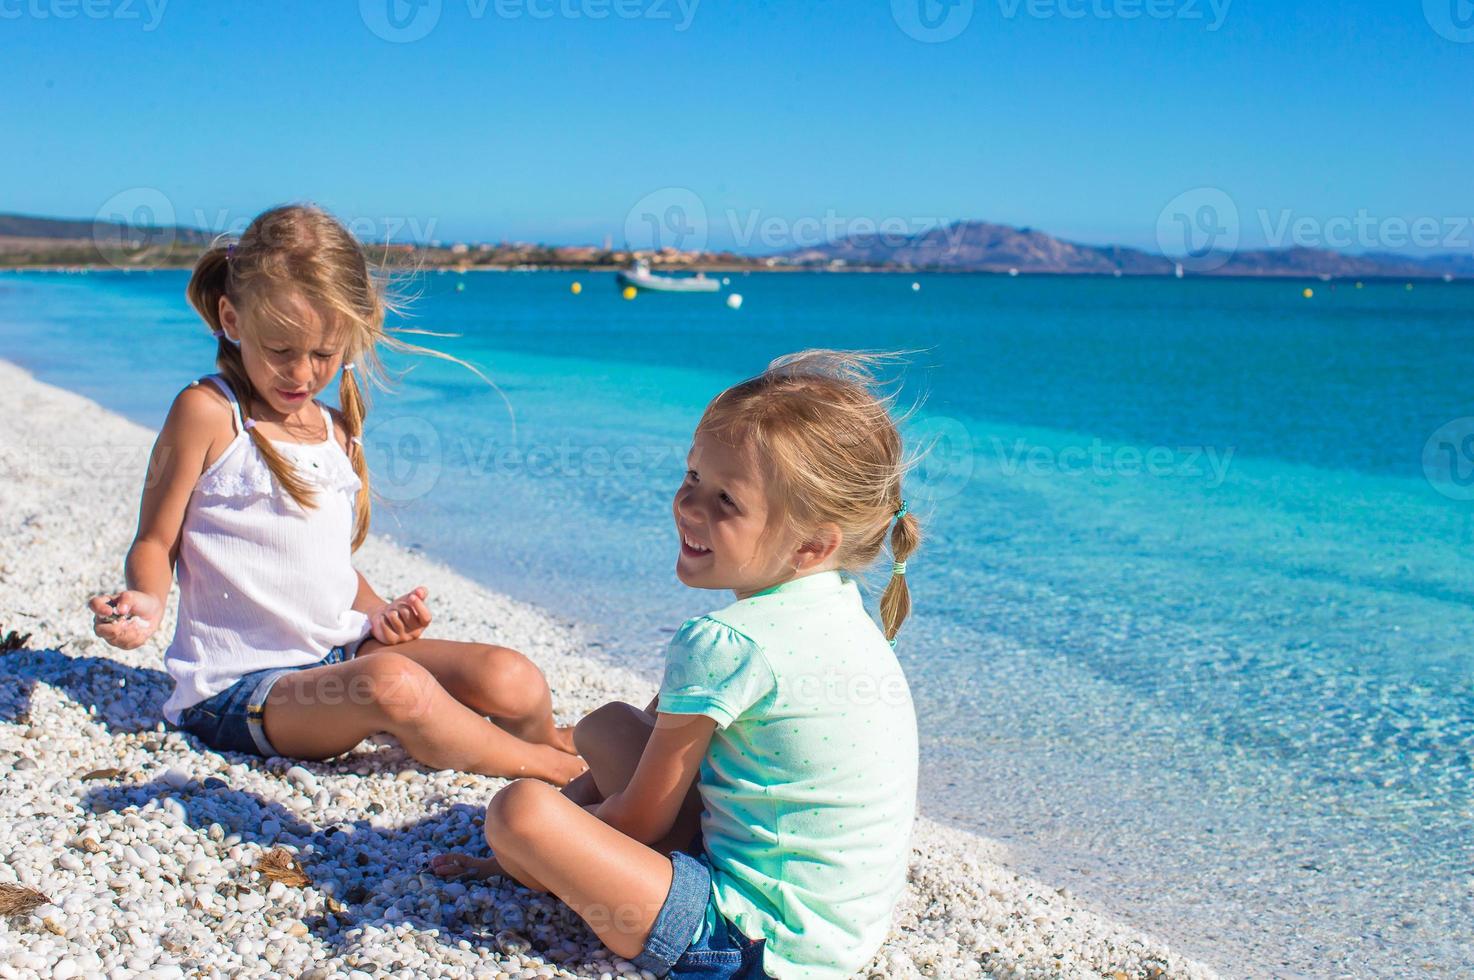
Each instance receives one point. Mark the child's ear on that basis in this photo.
(820, 546)
(229, 321)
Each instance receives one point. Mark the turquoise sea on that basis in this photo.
(1195, 628)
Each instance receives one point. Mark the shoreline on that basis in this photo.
(72, 705)
(1273, 277)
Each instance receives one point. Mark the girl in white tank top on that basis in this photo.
(259, 499)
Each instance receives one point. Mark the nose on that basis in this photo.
(685, 506)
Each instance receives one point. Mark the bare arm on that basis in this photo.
(647, 808)
(197, 421)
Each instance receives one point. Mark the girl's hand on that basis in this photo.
(402, 620)
(125, 619)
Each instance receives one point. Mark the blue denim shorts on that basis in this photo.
(690, 939)
(234, 719)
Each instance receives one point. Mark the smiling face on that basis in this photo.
(723, 510)
(288, 364)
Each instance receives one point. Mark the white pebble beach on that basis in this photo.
(143, 842)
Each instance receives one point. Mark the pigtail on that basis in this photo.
(208, 285)
(354, 407)
(895, 602)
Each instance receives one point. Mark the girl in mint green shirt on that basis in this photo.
(755, 819)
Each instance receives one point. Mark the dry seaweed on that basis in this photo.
(18, 900)
(278, 864)
(13, 641)
(102, 774)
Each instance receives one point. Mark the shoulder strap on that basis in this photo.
(235, 406)
(327, 419)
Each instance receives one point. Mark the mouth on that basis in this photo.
(691, 549)
(291, 396)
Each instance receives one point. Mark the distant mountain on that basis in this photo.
(979, 246)
(102, 232)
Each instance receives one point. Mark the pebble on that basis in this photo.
(176, 778)
(304, 779)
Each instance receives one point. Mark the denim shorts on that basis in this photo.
(719, 953)
(234, 719)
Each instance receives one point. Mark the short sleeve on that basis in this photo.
(713, 670)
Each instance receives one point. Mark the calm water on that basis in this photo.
(1196, 614)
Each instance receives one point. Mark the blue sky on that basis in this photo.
(764, 124)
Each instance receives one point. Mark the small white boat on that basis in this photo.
(641, 277)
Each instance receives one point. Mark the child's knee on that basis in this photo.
(517, 811)
(597, 727)
(401, 690)
(514, 681)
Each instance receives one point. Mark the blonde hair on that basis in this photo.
(301, 251)
(824, 431)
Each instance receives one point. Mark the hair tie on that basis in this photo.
(898, 568)
(230, 251)
(356, 441)
(905, 509)
(349, 366)
(248, 424)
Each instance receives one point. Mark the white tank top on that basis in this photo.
(263, 583)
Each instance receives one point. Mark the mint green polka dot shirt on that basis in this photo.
(809, 786)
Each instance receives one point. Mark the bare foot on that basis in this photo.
(558, 767)
(464, 866)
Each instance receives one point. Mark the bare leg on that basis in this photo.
(325, 711)
(492, 680)
(611, 738)
(549, 843)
